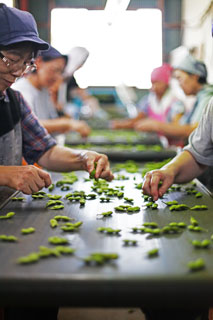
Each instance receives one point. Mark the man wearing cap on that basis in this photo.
(22, 135)
(35, 89)
(20, 132)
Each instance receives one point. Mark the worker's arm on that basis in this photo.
(127, 123)
(66, 159)
(172, 129)
(64, 124)
(181, 169)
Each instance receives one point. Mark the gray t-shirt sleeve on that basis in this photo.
(201, 139)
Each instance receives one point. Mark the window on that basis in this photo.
(9, 3)
(124, 49)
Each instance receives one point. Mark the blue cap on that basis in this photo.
(52, 54)
(19, 26)
(191, 65)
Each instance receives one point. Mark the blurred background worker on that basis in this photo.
(192, 77)
(160, 104)
(35, 89)
(70, 98)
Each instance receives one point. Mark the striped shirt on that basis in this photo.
(35, 138)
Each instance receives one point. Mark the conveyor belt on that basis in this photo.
(101, 137)
(118, 154)
(133, 279)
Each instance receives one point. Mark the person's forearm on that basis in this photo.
(52, 125)
(175, 129)
(4, 175)
(130, 123)
(185, 167)
(62, 159)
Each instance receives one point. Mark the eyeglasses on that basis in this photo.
(17, 65)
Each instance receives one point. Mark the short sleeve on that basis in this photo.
(201, 139)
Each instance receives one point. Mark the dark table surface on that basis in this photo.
(5, 195)
(132, 280)
(113, 137)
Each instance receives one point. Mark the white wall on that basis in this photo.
(198, 36)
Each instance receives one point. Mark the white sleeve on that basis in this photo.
(201, 139)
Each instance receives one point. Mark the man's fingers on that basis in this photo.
(166, 184)
(107, 175)
(156, 178)
(45, 177)
(146, 184)
(26, 190)
(102, 165)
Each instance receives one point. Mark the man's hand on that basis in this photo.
(147, 125)
(153, 178)
(80, 126)
(121, 124)
(28, 179)
(103, 167)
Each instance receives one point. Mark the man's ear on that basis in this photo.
(39, 62)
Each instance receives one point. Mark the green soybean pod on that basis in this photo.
(146, 197)
(93, 172)
(205, 243)
(193, 221)
(54, 197)
(170, 203)
(181, 224)
(51, 187)
(196, 265)
(150, 224)
(57, 240)
(10, 238)
(198, 195)
(82, 201)
(31, 258)
(57, 207)
(9, 215)
(153, 252)
(106, 214)
(53, 223)
(149, 204)
(27, 230)
(154, 206)
(196, 243)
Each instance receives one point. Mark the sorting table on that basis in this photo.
(113, 137)
(131, 280)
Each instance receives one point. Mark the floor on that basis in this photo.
(100, 314)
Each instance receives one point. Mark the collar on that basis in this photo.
(4, 96)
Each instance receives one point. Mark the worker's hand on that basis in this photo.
(121, 124)
(152, 180)
(80, 127)
(103, 167)
(147, 125)
(28, 179)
